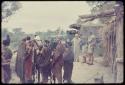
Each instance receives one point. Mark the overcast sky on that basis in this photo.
(44, 15)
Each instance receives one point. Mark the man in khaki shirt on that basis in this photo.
(91, 44)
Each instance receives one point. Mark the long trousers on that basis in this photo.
(68, 67)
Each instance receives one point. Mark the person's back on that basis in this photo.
(68, 58)
(68, 55)
(45, 64)
(57, 61)
(19, 67)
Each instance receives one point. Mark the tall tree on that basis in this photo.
(9, 8)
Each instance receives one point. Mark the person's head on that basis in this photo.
(37, 38)
(28, 38)
(76, 35)
(47, 42)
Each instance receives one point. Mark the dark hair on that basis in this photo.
(47, 41)
(68, 44)
(28, 38)
(53, 45)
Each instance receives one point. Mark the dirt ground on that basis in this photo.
(82, 72)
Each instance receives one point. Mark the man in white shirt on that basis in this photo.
(76, 47)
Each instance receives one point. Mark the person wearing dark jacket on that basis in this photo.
(68, 58)
(6, 60)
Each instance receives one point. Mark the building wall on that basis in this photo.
(119, 41)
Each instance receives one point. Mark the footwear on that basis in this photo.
(65, 81)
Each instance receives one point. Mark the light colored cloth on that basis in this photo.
(90, 48)
(38, 40)
(76, 48)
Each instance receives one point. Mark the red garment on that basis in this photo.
(28, 68)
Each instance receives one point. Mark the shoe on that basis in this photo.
(65, 81)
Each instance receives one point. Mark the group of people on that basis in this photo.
(36, 57)
(83, 50)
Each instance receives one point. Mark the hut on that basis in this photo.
(112, 39)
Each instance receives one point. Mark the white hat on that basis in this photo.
(76, 35)
(37, 38)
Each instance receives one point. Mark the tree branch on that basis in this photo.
(91, 17)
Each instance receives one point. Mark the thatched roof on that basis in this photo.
(75, 26)
(86, 25)
(90, 17)
(98, 15)
(91, 24)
